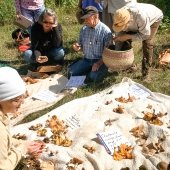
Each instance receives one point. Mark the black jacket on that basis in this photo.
(44, 41)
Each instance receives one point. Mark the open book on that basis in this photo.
(112, 139)
(23, 22)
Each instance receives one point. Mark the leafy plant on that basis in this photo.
(7, 11)
(66, 3)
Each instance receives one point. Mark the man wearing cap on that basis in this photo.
(138, 21)
(94, 36)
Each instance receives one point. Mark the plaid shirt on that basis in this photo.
(93, 40)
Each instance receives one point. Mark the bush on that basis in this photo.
(7, 11)
(66, 3)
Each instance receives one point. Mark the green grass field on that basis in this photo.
(160, 77)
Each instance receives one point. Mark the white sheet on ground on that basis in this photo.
(86, 117)
(54, 83)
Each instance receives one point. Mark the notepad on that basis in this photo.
(112, 139)
(45, 95)
(75, 81)
(23, 22)
(138, 92)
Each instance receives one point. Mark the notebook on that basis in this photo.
(23, 22)
(111, 139)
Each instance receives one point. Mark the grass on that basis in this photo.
(160, 77)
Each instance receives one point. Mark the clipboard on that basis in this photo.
(23, 22)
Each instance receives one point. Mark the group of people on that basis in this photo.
(130, 21)
(126, 19)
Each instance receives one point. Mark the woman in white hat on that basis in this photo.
(12, 89)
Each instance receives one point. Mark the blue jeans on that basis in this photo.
(32, 15)
(55, 55)
(84, 67)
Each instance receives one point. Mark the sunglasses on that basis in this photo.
(46, 22)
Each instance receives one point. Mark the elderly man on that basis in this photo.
(94, 36)
(138, 21)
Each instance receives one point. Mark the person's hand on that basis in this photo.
(35, 148)
(76, 46)
(42, 59)
(18, 16)
(96, 66)
(122, 37)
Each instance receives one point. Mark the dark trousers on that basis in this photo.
(147, 46)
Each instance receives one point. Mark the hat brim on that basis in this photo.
(87, 16)
(119, 28)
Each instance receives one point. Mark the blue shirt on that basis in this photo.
(86, 3)
(93, 40)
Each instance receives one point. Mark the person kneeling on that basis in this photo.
(46, 41)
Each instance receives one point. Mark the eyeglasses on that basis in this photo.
(46, 22)
(17, 99)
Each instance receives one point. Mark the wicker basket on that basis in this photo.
(118, 60)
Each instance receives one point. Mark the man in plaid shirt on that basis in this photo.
(94, 36)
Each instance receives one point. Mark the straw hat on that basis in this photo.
(120, 19)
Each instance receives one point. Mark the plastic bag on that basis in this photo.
(164, 57)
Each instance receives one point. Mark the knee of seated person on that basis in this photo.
(59, 54)
(27, 55)
(95, 77)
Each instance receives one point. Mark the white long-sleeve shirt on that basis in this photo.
(9, 154)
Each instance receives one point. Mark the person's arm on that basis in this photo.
(108, 38)
(97, 65)
(35, 31)
(57, 37)
(9, 157)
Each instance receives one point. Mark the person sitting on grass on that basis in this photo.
(46, 41)
(12, 89)
(94, 36)
(138, 21)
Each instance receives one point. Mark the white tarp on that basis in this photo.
(86, 117)
(55, 83)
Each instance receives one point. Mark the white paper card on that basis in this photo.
(73, 121)
(23, 22)
(112, 139)
(138, 92)
(45, 95)
(76, 81)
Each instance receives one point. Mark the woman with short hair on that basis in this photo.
(46, 40)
